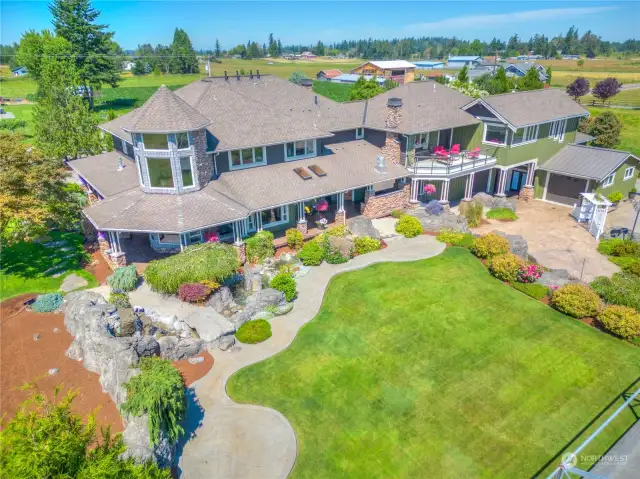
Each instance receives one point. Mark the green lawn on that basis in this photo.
(630, 136)
(435, 369)
(336, 91)
(32, 267)
(23, 112)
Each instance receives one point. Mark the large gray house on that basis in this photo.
(222, 158)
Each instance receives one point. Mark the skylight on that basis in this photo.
(303, 173)
(317, 170)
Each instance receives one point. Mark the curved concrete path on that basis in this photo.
(245, 441)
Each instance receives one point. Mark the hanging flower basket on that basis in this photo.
(211, 237)
(429, 189)
(322, 206)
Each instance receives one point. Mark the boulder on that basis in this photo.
(136, 438)
(490, 201)
(556, 278)
(146, 346)
(127, 326)
(341, 244)
(447, 220)
(362, 226)
(262, 315)
(434, 208)
(485, 198)
(517, 244)
(256, 303)
(220, 299)
(284, 309)
(504, 202)
(210, 325)
(226, 343)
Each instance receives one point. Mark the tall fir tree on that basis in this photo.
(279, 47)
(273, 46)
(217, 50)
(96, 56)
(183, 56)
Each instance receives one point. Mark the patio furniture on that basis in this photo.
(475, 153)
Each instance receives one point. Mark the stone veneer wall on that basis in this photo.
(203, 161)
(379, 206)
(391, 149)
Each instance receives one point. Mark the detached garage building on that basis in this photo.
(584, 169)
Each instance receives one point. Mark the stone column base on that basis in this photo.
(526, 193)
(118, 260)
(302, 227)
(340, 218)
(241, 250)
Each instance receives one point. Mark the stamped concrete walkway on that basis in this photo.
(253, 442)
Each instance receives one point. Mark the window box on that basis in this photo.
(629, 173)
(247, 158)
(298, 150)
(495, 134)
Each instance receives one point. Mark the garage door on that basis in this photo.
(565, 189)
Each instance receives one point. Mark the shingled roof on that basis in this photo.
(165, 112)
(101, 171)
(586, 161)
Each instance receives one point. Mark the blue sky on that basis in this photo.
(304, 22)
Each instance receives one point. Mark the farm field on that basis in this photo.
(625, 97)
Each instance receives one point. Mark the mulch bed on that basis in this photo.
(98, 266)
(192, 372)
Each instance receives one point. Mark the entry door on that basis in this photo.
(518, 178)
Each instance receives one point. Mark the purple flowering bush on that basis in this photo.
(193, 292)
(529, 273)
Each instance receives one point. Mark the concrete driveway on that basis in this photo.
(555, 239)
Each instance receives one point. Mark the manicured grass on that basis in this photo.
(630, 136)
(504, 214)
(629, 97)
(336, 91)
(30, 267)
(435, 369)
(23, 112)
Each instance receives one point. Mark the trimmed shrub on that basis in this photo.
(193, 292)
(260, 246)
(337, 231)
(311, 254)
(606, 246)
(576, 300)
(529, 273)
(46, 303)
(285, 283)
(490, 245)
(206, 261)
(295, 239)
(335, 257)
(121, 300)
(536, 291)
(409, 226)
(159, 392)
(397, 213)
(621, 321)
(366, 244)
(622, 289)
(503, 214)
(456, 238)
(211, 284)
(123, 279)
(626, 248)
(505, 267)
(434, 208)
(615, 197)
(472, 211)
(253, 332)
(633, 268)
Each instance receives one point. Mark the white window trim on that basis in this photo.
(608, 181)
(139, 168)
(301, 157)
(167, 243)
(188, 141)
(173, 176)
(530, 135)
(629, 172)
(151, 150)
(557, 130)
(359, 133)
(284, 213)
(193, 171)
(506, 136)
(250, 165)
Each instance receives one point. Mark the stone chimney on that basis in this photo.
(394, 113)
(391, 148)
(307, 83)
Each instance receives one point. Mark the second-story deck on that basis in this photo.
(429, 164)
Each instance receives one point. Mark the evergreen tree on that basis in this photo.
(94, 52)
(606, 129)
(279, 47)
(264, 50)
(273, 46)
(503, 84)
(364, 89)
(463, 75)
(531, 81)
(217, 50)
(183, 56)
(549, 73)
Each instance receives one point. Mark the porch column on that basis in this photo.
(368, 193)
(414, 190)
(468, 191)
(526, 193)
(341, 215)
(258, 221)
(531, 172)
(238, 244)
(302, 219)
(502, 182)
(103, 242)
(444, 192)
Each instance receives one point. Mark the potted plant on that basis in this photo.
(632, 193)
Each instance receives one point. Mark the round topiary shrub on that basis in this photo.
(123, 279)
(621, 321)
(576, 300)
(47, 303)
(366, 244)
(409, 226)
(211, 261)
(505, 267)
(490, 245)
(253, 332)
(260, 246)
(311, 254)
(295, 240)
(193, 292)
(284, 282)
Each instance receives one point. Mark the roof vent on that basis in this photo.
(381, 165)
(394, 102)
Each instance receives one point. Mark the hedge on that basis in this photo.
(621, 321)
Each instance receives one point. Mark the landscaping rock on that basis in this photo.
(146, 346)
(53, 371)
(127, 324)
(556, 278)
(434, 208)
(56, 330)
(447, 220)
(196, 360)
(344, 245)
(284, 309)
(36, 336)
(503, 202)
(262, 315)
(73, 281)
(517, 244)
(74, 351)
(226, 343)
(136, 438)
(256, 303)
(485, 198)
(220, 299)
(210, 325)
(495, 201)
(362, 226)
(176, 349)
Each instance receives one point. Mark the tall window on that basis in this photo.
(608, 181)
(525, 135)
(160, 175)
(247, 157)
(185, 171)
(300, 149)
(557, 130)
(155, 142)
(182, 140)
(274, 216)
(495, 134)
(629, 172)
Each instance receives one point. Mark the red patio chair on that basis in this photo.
(475, 153)
(455, 149)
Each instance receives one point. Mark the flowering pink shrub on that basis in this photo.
(193, 292)
(322, 205)
(429, 189)
(529, 273)
(211, 237)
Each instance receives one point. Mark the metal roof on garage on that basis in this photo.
(586, 162)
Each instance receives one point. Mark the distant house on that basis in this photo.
(20, 71)
(308, 55)
(325, 75)
(529, 57)
(461, 61)
(353, 77)
(521, 69)
(428, 64)
(128, 66)
(571, 57)
(399, 71)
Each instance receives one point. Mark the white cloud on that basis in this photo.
(451, 25)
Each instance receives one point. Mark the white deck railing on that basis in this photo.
(428, 164)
